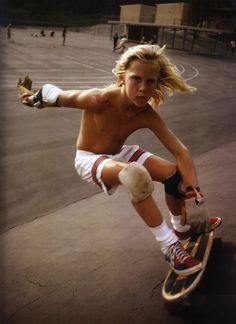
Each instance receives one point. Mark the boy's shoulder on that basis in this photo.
(109, 94)
(102, 98)
(106, 92)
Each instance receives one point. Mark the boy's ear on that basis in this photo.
(121, 80)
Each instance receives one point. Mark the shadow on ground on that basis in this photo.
(216, 294)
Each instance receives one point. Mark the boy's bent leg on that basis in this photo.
(149, 212)
(115, 173)
(174, 253)
(160, 170)
(177, 257)
(163, 171)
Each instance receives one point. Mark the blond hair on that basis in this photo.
(169, 78)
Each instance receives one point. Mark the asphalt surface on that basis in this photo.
(70, 254)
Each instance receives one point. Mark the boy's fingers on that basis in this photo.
(25, 83)
(19, 82)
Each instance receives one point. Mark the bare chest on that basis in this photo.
(116, 126)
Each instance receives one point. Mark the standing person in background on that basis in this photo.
(64, 32)
(153, 40)
(122, 43)
(42, 33)
(115, 41)
(9, 31)
(232, 46)
(143, 40)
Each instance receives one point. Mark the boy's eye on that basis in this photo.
(135, 78)
(138, 79)
(152, 81)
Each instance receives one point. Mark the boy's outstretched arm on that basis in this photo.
(46, 97)
(51, 96)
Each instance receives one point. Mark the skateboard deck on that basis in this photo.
(177, 287)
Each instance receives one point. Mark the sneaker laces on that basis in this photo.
(177, 250)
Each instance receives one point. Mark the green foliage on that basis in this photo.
(203, 11)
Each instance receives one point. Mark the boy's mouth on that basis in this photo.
(142, 98)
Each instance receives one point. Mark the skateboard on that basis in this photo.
(177, 287)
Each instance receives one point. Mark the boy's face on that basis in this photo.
(140, 81)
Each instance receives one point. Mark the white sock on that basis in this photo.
(176, 222)
(164, 235)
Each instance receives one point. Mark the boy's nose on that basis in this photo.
(142, 87)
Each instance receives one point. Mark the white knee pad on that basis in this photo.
(137, 181)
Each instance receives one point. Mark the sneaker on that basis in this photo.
(180, 261)
(214, 223)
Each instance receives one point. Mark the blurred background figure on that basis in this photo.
(9, 31)
(52, 33)
(64, 32)
(232, 46)
(115, 41)
(122, 42)
(143, 40)
(153, 40)
(42, 33)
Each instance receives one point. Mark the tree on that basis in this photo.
(202, 12)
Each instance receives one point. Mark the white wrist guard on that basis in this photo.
(47, 94)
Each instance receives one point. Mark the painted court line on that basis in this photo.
(195, 74)
(85, 65)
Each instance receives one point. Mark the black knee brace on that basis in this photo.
(172, 185)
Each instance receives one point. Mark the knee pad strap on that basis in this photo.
(172, 185)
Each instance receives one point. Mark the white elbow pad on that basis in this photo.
(137, 181)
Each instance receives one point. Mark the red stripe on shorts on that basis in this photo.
(95, 166)
(136, 155)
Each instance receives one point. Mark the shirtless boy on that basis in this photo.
(144, 77)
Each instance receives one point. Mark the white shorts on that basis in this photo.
(89, 165)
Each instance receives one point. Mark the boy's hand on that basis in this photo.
(47, 96)
(195, 212)
(24, 90)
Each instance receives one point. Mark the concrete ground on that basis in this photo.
(70, 254)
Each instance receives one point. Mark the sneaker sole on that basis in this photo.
(189, 271)
(217, 224)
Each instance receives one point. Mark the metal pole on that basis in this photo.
(173, 39)
(162, 36)
(141, 33)
(111, 30)
(194, 37)
(157, 34)
(184, 39)
(217, 35)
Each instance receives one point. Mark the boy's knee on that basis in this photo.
(137, 181)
